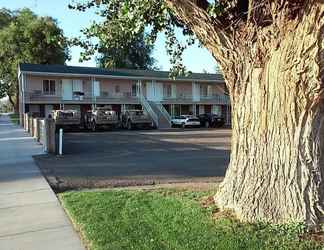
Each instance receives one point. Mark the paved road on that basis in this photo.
(138, 157)
(31, 217)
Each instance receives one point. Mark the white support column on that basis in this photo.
(23, 92)
(194, 111)
(172, 110)
(123, 108)
(139, 88)
(21, 116)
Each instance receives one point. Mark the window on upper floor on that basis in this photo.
(203, 90)
(167, 90)
(49, 87)
(134, 89)
(117, 88)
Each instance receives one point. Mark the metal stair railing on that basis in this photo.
(149, 109)
(165, 113)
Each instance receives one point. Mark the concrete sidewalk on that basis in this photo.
(31, 217)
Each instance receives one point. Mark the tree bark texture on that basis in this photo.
(275, 75)
(276, 171)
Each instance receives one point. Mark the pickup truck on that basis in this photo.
(67, 118)
(101, 118)
(136, 119)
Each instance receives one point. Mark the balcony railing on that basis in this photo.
(38, 96)
(221, 99)
(116, 96)
(178, 97)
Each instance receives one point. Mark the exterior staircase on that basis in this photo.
(157, 112)
(164, 119)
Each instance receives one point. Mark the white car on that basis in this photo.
(185, 121)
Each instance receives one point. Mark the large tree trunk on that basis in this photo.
(273, 64)
(276, 171)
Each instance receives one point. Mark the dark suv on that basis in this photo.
(211, 120)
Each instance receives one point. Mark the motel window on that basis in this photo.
(203, 90)
(49, 87)
(167, 90)
(117, 89)
(134, 89)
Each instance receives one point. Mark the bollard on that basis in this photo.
(38, 124)
(30, 125)
(61, 142)
(34, 128)
(50, 136)
(26, 122)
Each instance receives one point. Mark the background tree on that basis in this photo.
(25, 37)
(132, 53)
(271, 54)
(136, 54)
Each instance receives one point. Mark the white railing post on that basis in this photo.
(165, 112)
(148, 108)
(61, 142)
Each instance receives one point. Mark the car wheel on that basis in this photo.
(183, 125)
(172, 125)
(207, 125)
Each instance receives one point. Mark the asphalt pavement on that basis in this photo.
(128, 158)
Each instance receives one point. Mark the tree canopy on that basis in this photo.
(126, 21)
(136, 54)
(25, 37)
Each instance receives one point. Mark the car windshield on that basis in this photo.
(193, 120)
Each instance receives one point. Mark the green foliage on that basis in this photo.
(25, 37)
(131, 55)
(216, 9)
(124, 21)
(169, 219)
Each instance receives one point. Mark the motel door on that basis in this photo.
(67, 88)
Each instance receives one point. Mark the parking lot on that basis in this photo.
(128, 158)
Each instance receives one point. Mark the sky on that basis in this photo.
(195, 59)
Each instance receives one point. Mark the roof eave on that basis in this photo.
(118, 77)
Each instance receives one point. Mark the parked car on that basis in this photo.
(136, 119)
(67, 118)
(185, 121)
(211, 120)
(101, 118)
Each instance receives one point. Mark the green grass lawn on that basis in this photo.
(168, 219)
(14, 118)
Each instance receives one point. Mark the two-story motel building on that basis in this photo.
(44, 88)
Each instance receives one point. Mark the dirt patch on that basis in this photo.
(60, 185)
